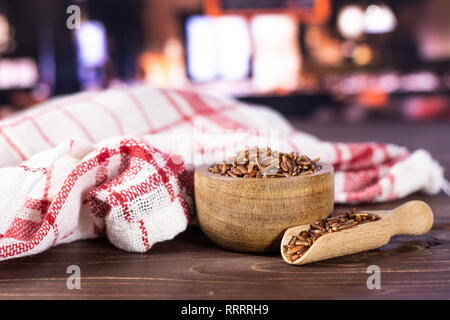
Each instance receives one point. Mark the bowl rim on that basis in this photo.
(203, 170)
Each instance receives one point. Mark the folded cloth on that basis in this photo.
(119, 163)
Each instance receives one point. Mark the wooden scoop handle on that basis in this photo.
(412, 218)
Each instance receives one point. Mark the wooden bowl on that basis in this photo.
(251, 215)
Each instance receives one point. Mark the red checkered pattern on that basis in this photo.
(119, 163)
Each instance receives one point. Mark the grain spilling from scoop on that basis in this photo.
(300, 243)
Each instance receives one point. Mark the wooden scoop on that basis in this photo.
(412, 218)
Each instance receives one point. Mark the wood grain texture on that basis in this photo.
(251, 215)
(411, 218)
(192, 267)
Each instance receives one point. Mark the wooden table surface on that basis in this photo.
(191, 267)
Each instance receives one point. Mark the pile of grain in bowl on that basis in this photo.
(299, 244)
(265, 163)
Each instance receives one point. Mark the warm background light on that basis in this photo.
(351, 21)
(379, 19)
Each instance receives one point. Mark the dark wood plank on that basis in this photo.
(191, 267)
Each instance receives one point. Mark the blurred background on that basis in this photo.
(324, 60)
